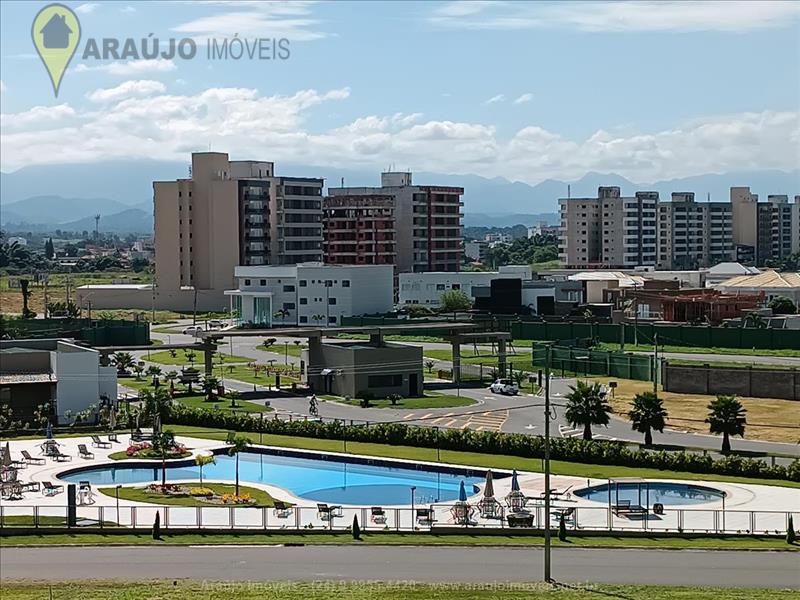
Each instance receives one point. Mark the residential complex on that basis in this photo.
(611, 231)
(309, 293)
(426, 231)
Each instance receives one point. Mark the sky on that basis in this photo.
(526, 91)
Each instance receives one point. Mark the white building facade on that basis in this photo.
(311, 294)
(427, 288)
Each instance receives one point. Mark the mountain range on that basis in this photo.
(42, 198)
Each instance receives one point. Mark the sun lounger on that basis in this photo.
(520, 519)
(326, 513)
(60, 456)
(32, 460)
(377, 515)
(282, 510)
(425, 516)
(51, 489)
(84, 452)
(567, 513)
(625, 508)
(112, 437)
(31, 486)
(98, 443)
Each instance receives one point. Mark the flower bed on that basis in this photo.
(203, 494)
(146, 450)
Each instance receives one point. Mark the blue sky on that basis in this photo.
(522, 90)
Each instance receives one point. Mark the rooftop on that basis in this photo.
(767, 279)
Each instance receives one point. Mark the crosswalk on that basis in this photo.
(485, 421)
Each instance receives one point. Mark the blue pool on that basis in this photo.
(646, 493)
(316, 479)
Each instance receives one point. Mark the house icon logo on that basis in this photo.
(56, 33)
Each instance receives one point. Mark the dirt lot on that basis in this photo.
(688, 411)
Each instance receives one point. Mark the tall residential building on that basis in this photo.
(609, 231)
(426, 219)
(763, 231)
(359, 230)
(232, 213)
(693, 234)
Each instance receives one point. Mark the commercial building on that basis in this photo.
(39, 371)
(227, 213)
(427, 288)
(309, 293)
(427, 224)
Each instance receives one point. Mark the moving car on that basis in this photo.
(216, 324)
(194, 330)
(505, 387)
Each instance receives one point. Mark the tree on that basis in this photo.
(238, 444)
(726, 415)
(782, 306)
(210, 385)
(162, 443)
(201, 460)
(156, 403)
(647, 413)
(356, 529)
(519, 378)
(318, 318)
(171, 376)
(454, 300)
(587, 406)
(154, 372)
(190, 356)
(138, 369)
(49, 250)
(123, 362)
(27, 313)
(754, 320)
(62, 309)
(429, 364)
(234, 396)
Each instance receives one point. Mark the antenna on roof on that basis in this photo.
(569, 191)
(342, 181)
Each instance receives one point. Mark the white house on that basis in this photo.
(427, 288)
(309, 293)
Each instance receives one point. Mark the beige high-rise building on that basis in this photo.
(763, 232)
(232, 213)
(693, 234)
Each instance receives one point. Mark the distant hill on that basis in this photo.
(54, 210)
(131, 220)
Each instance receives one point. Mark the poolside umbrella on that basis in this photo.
(112, 419)
(514, 482)
(462, 492)
(7, 455)
(488, 489)
(49, 431)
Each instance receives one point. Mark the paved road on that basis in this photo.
(399, 563)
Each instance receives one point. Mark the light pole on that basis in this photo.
(655, 364)
(547, 576)
(413, 489)
(286, 353)
(116, 494)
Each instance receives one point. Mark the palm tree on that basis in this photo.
(726, 415)
(201, 460)
(234, 396)
(154, 372)
(162, 442)
(587, 406)
(238, 444)
(171, 376)
(156, 403)
(648, 413)
(123, 362)
(210, 384)
(754, 320)
(139, 369)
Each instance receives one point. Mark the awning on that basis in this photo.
(326, 372)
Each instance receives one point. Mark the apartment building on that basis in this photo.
(427, 224)
(359, 230)
(609, 231)
(693, 235)
(309, 293)
(763, 231)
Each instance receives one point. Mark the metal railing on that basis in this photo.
(405, 519)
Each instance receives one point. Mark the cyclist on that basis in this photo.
(312, 405)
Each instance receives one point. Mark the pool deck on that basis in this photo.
(741, 499)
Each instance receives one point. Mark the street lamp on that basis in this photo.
(547, 576)
(413, 489)
(116, 494)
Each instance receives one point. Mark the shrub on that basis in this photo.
(791, 536)
(356, 528)
(489, 442)
(562, 528)
(157, 526)
(394, 398)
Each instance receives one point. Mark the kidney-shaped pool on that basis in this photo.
(645, 493)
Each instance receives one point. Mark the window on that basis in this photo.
(345, 283)
(288, 288)
(247, 282)
(456, 286)
(303, 319)
(379, 381)
(263, 283)
(303, 283)
(331, 319)
(303, 300)
(331, 301)
(439, 287)
(288, 306)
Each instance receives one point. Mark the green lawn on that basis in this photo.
(44, 521)
(246, 374)
(165, 358)
(139, 494)
(394, 338)
(494, 461)
(521, 360)
(694, 350)
(429, 400)
(196, 399)
(728, 364)
(123, 455)
(291, 349)
(208, 590)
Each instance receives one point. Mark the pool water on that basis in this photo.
(315, 479)
(647, 493)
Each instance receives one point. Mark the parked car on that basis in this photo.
(505, 387)
(193, 330)
(216, 324)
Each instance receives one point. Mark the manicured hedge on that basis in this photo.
(489, 442)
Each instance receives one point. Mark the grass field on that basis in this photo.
(494, 461)
(184, 590)
(166, 358)
(698, 350)
(780, 417)
(429, 400)
(139, 494)
(728, 364)
(521, 359)
(196, 399)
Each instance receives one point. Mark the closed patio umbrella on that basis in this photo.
(7, 455)
(462, 492)
(514, 482)
(488, 489)
(49, 431)
(112, 418)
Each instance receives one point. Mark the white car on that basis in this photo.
(505, 387)
(193, 330)
(216, 324)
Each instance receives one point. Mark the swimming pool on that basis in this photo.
(646, 493)
(317, 479)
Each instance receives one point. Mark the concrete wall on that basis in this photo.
(109, 297)
(756, 383)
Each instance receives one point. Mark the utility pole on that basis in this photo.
(547, 576)
(45, 296)
(153, 306)
(194, 307)
(655, 364)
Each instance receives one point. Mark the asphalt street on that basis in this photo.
(403, 563)
(490, 413)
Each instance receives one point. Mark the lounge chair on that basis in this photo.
(60, 456)
(282, 509)
(51, 489)
(84, 452)
(32, 460)
(326, 513)
(490, 508)
(567, 513)
(520, 519)
(424, 516)
(85, 493)
(112, 437)
(98, 443)
(377, 515)
(462, 513)
(625, 508)
(516, 501)
(31, 486)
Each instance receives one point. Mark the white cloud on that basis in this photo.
(248, 124)
(88, 7)
(127, 9)
(524, 98)
(131, 67)
(290, 20)
(128, 89)
(495, 99)
(679, 16)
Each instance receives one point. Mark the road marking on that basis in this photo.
(465, 425)
(426, 416)
(409, 416)
(451, 423)
(434, 421)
